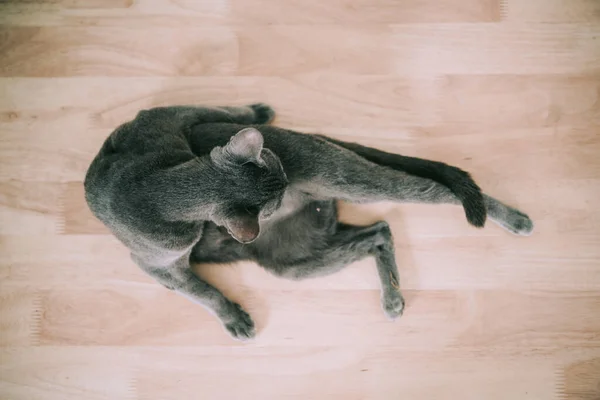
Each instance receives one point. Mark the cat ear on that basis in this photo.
(245, 146)
(244, 228)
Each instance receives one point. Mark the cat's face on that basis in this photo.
(252, 183)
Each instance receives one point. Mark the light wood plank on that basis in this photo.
(375, 102)
(580, 379)
(20, 316)
(496, 49)
(366, 373)
(245, 12)
(469, 319)
(95, 5)
(68, 51)
(46, 373)
(52, 260)
(553, 11)
(71, 51)
(357, 373)
(62, 373)
(378, 11)
(417, 50)
(30, 208)
(544, 101)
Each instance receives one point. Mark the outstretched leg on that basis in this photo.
(458, 181)
(348, 244)
(347, 176)
(178, 276)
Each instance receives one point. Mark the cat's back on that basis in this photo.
(116, 188)
(154, 139)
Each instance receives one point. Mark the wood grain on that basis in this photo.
(142, 316)
(420, 49)
(553, 10)
(506, 89)
(242, 12)
(30, 208)
(179, 374)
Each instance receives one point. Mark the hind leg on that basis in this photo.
(385, 259)
(348, 244)
(508, 217)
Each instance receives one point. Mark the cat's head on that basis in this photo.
(252, 184)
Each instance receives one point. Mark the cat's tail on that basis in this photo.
(457, 180)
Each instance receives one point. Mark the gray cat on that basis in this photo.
(217, 185)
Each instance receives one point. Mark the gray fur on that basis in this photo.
(191, 184)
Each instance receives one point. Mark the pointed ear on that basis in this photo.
(245, 146)
(244, 228)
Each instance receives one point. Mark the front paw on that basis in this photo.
(264, 113)
(238, 323)
(393, 304)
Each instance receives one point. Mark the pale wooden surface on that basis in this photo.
(509, 90)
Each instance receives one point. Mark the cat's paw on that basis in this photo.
(264, 113)
(518, 223)
(239, 323)
(393, 304)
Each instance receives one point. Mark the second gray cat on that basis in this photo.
(217, 185)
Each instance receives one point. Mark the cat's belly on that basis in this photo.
(296, 235)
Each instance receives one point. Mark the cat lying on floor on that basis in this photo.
(217, 185)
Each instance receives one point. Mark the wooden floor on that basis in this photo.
(507, 89)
